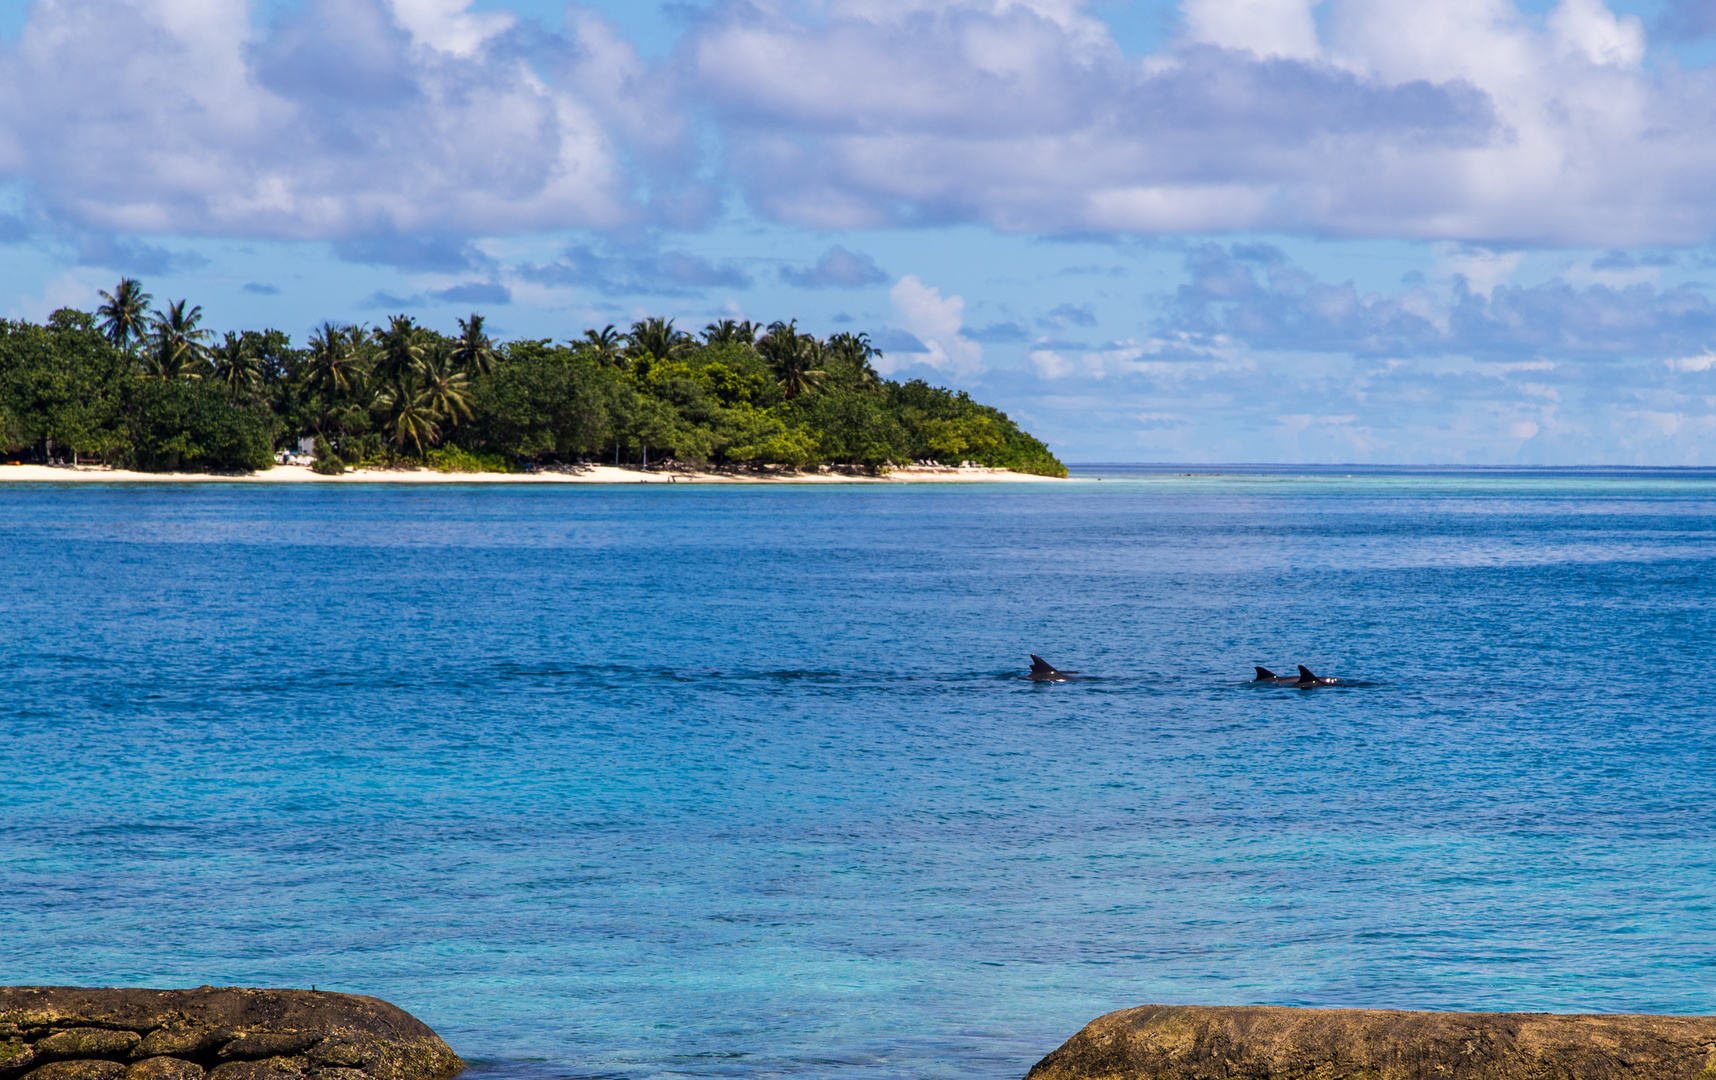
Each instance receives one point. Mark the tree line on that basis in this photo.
(153, 389)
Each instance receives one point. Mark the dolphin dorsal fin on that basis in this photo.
(1041, 666)
(1305, 674)
(1264, 675)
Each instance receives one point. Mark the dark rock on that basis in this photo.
(164, 1068)
(1164, 1042)
(286, 1033)
(78, 1070)
(266, 1044)
(274, 1068)
(336, 1074)
(16, 1056)
(87, 1042)
(336, 1054)
(182, 1041)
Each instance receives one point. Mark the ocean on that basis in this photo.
(651, 781)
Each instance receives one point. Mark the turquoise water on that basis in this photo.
(648, 781)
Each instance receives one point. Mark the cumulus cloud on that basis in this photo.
(1265, 27)
(938, 324)
(362, 120)
(837, 269)
(1466, 120)
(345, 120)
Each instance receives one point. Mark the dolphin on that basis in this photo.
(1308, 679)
(1043, 671)
(1305, 678)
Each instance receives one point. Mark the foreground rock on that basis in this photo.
(68, 1033)
(1163, 1042)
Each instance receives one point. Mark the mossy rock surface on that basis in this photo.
(234, 1033)
(1190, 1042)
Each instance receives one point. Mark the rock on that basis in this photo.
(274, 1068)
(266, 1044)
(1164, 1042)
(282, 1033)
(78, 1070)
(335, 1054)
(164, 1068)
(182, 1041)
(16, 1056)
(87, 1042)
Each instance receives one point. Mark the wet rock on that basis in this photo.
(1162, 1042)
(283, 1033)
(164, 1068)
(335, 1074)
(77, 1070)
(87, 1042)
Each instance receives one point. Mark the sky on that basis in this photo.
(1365, 231)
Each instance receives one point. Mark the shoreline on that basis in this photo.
(588, 474)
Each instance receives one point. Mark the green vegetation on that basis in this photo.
(153, 390)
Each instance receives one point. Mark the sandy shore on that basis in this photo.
(592, 474)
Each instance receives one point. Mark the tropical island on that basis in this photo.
(154, 391)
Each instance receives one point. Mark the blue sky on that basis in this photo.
(1213, 230)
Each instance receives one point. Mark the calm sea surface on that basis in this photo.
(743, 782)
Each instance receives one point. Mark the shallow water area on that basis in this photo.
(649, 781)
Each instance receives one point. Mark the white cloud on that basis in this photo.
(1589, 29)
(1482, 268)
(1692, 363)
(1463, 120)
(69, 289)
(937, 322)
(1265, 27)
(348, 118)
(1050, 364)
(448, 26)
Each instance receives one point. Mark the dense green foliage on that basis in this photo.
(156, 392)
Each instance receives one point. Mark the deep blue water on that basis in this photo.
(648, 781)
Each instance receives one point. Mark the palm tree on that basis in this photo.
(333, 368)
(855, 351)
(446, 389)
(236, 365)
(176, 349)
(404, 403)
(794, 357)
(656, 337)
(604, 346)
(123, 315)
(474, 352)
(728, 332)
(401, 348)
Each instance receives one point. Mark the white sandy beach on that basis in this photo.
(589, 474)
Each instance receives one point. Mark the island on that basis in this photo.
(153, 391)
